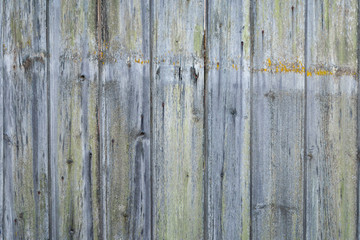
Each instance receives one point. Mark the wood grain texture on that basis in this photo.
(277, 120)
(73, 93)
(154, 119)
(2, 156)
(331, 120)
(228, 128)
(124, 68)
(25, 120)
(53, 32)
(177, 102)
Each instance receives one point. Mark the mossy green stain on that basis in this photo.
(245, 212)
(91, 23)
(72, 22)
(326, 14)
(132, 28)
(198, 39)
(121, 153)
(179, 216)
(113, 19)
(279, 18)
(24, 199)
(344, 211)
(93, 138)
(16, 25)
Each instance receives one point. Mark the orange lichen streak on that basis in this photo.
(298, 67)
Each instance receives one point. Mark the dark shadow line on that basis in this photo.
(305, 122)
(205, 125)
(48, 89)
(252, 15)
(152, 232)
(358, 123)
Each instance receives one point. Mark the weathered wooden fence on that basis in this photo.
(179, 119)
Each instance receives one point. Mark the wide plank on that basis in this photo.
(331, 119)
(124, 72)
(73, 92)
(177, 83)
(228, 120)
(277, 119)
(25, 148)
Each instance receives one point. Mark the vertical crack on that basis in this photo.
(100, 110)
(252, 50)
(48, 102)
(151, 37)
(358, 122)
(205, 124)
(305, 122)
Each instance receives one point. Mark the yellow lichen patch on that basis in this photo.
(298, 67)
(322, 72)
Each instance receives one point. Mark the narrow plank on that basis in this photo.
(177, 118)
(73, 92)
(53, 41)
(277, 119)
(25, 120)
(124, 67)
(228, 128)
(331, 119)
(1, 126)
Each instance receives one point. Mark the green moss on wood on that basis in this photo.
(198, 39)
(16, 24)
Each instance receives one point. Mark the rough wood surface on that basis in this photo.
(124, 71)
(177, 119)
(331, 128)
(277, 116)
(73, 134)
(25, 209)
(1, 125)
(195, 119)
(228, 120)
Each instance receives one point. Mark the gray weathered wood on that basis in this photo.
(73, 92)
(25, 120)
(228, 116)
(53, 32)
(177, 121)
(331, 170)
(277, 120)
(1, 125)
(153, 119)
(124, 69)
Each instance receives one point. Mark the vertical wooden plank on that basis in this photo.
(228, 128)
(125, 119)
(2, 157)
(177, 102)
(53, 42)
(1, 123)
(331, 119)
(73, 92)
(277, 119)
(25, 120)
